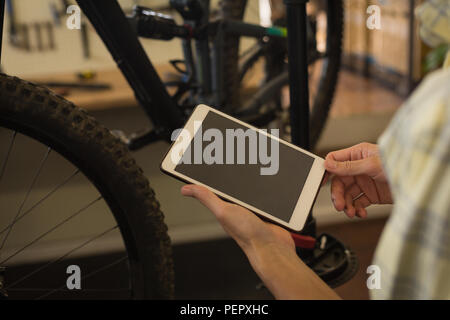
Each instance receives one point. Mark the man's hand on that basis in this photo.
(246, 228)
(359, 179)
(269, 248)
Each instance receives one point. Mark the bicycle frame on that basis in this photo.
(113, 27)
(115, 31)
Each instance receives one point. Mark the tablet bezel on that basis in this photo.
(306, 198)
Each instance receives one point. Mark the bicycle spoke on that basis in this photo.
(51, 229)
(5, 161)
(36, 175)
(87, 276)
(41, 200)
(62, 257)
(93, 273)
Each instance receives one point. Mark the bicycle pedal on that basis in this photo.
(332, 261)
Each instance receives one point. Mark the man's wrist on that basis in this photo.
(266, 256)
(260, 251)
(285, 274)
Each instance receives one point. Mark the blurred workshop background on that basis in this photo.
(380, 68)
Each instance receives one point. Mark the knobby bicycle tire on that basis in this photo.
(44, 116)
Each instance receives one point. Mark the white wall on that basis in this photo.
(68, 56)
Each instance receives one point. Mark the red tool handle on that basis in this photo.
(305, 242)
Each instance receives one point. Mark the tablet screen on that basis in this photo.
(275, 192)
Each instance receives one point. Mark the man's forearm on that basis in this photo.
(286, 276)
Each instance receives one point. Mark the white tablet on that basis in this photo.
(245, 165)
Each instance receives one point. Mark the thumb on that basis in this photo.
(205, 196)
(350, 168)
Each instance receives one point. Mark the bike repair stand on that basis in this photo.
(327, 256)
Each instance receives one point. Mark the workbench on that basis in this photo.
(119, 95)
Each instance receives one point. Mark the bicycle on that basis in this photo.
(215, 74)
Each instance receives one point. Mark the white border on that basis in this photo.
(309, 192)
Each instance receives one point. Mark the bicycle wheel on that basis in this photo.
(69, 190)
(255, 74)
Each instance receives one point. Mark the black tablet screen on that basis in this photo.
(274, 190)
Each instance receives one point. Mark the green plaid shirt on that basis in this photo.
(414, 250)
